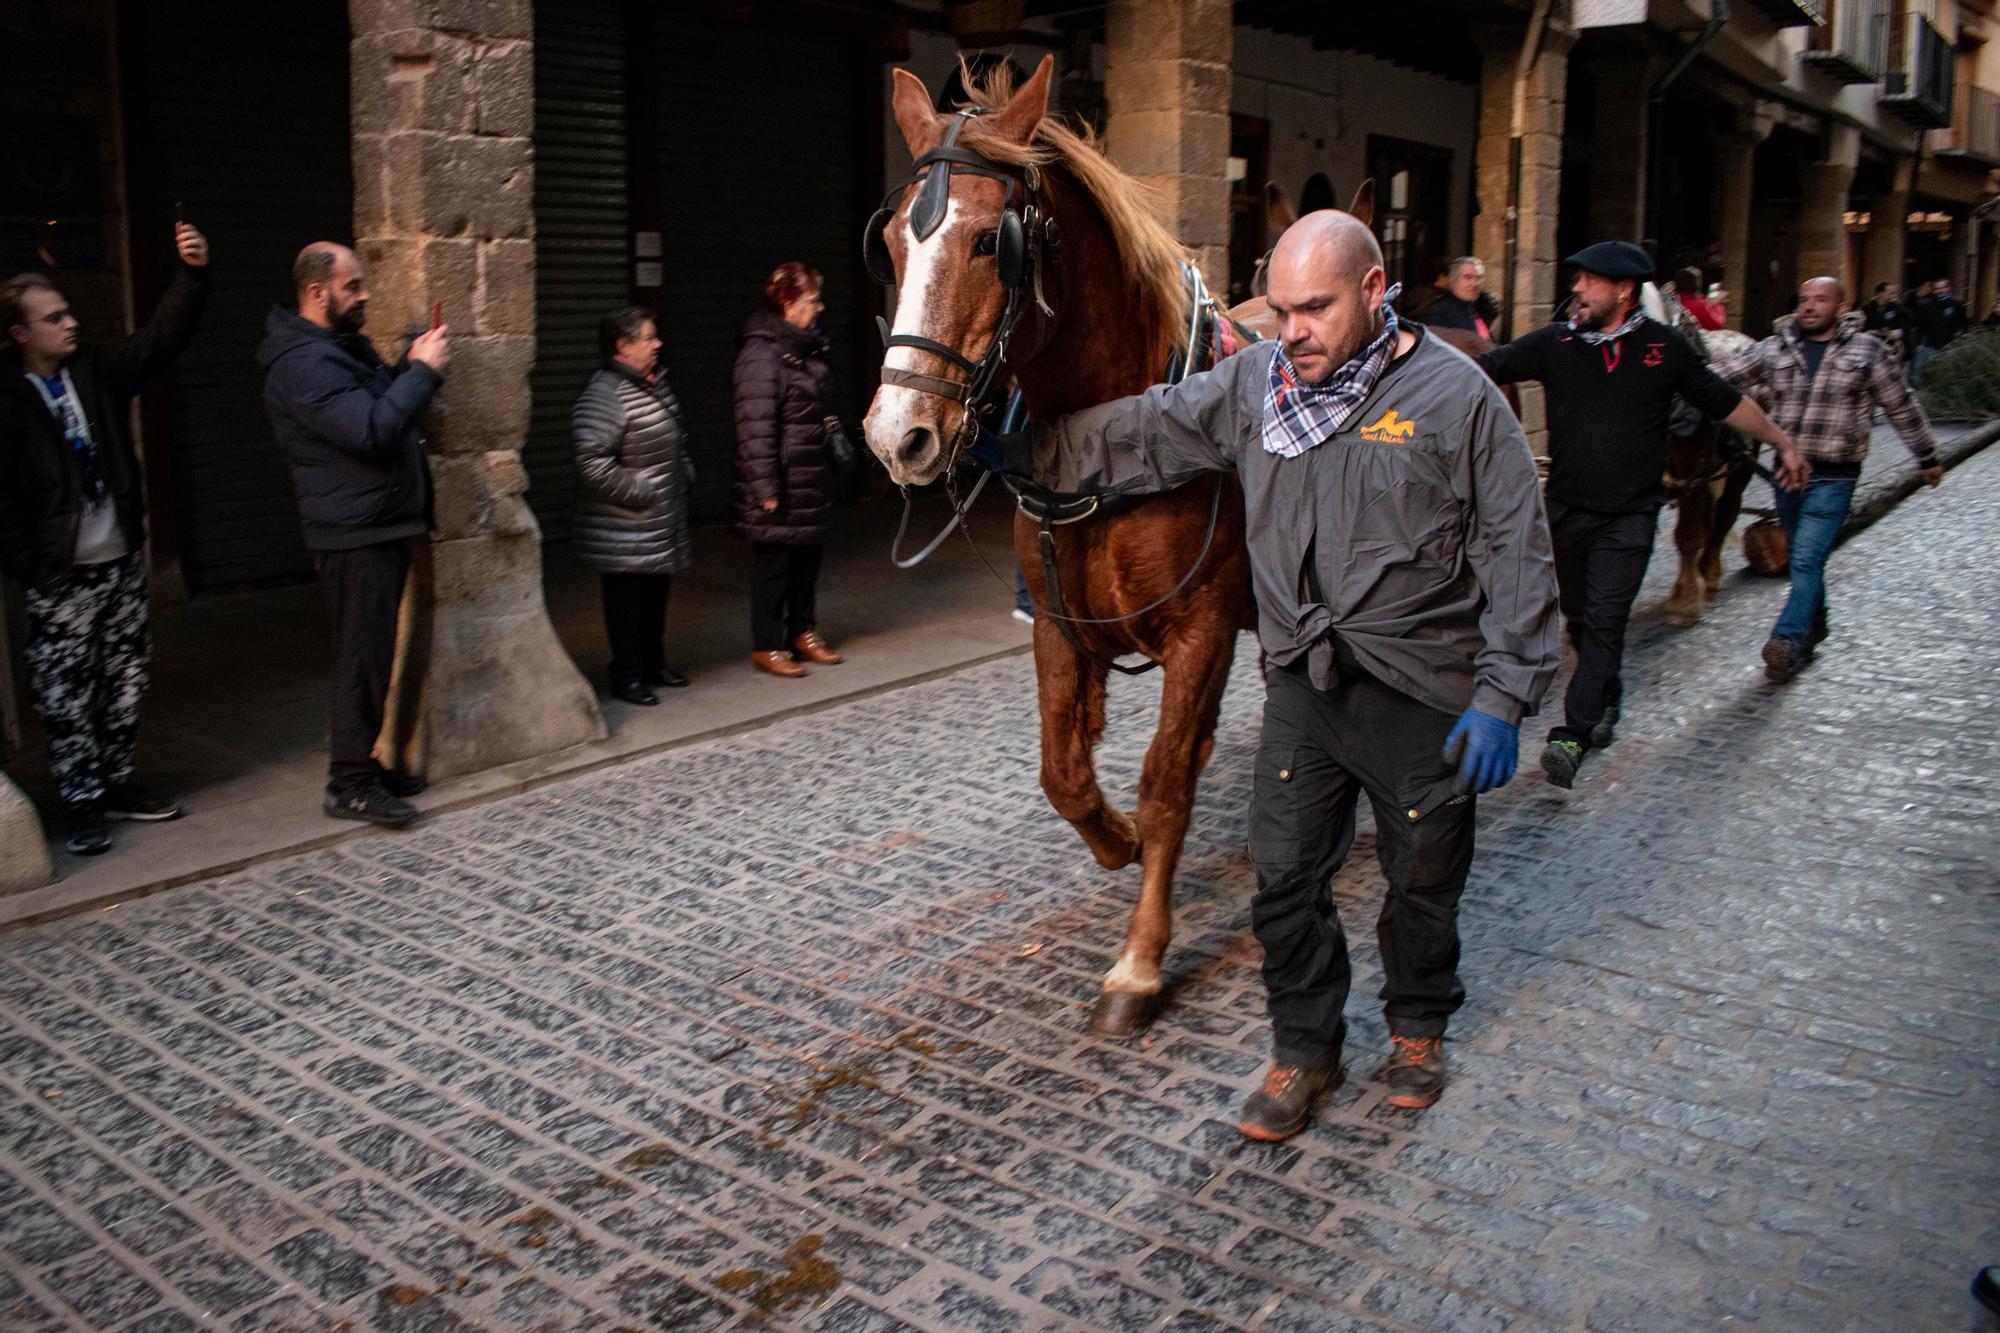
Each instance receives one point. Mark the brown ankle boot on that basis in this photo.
(814, 649)
(779, 663)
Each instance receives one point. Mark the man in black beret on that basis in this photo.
(1610, 375)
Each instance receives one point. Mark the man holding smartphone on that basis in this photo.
(72, 530)
(349, 425)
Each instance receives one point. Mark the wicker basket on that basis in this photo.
(1765, 547)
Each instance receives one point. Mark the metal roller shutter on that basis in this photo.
(257, 149)
(760, 160)
(582, 252)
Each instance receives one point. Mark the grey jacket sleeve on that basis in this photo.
(1507, 546)
(597, 428)
(1150, 442)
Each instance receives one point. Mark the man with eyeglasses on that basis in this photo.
(72, 530)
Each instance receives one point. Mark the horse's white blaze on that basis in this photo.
(1136, 975)
(896, 410)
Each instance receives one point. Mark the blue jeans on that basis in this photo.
(1922, 358)
(1812, 520)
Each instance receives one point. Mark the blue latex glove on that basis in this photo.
(986, 449)
(1485, 750)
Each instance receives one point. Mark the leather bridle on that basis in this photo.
(1026, 244)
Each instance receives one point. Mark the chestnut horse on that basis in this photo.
(1117, 308)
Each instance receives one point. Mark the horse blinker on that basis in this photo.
(1011, 249)
(875, 254)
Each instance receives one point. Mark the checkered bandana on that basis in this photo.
(1597, 337)
(1298, 416)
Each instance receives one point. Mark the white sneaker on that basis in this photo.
(1025, 617)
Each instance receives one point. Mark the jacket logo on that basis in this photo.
(1655, 354)
(1390, 429)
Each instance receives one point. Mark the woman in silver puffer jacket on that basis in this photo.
(631, 520)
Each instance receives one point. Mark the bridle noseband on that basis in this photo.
(1025, 245)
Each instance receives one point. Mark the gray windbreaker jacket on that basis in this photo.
(1416, 534)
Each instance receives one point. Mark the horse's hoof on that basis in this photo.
(1122, 1013)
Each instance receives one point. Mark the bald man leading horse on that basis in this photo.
(1406, 603)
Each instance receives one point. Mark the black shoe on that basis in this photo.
(1606, 729)
(1414, 1071)
(1560, 760)
(1280, 1108)
(370, 805)
(129, 800)
(634, 692)
(1986, 1287)
(86, 829)
(668, 678)
(1782, 659)
(400, 785)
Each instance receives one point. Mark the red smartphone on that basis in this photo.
(437, 313)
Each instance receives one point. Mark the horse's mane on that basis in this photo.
(1151, 257)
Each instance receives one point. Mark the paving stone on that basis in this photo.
(572, 1058)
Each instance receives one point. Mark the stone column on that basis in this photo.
(1888, 221)
(1619, 182)
(1166, 86)
(1822, 213)
(1535, 265)
(24, 852)
(1980, 299)
(442, 112)
(1735, 178)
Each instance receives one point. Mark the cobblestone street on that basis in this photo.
(787, 1031)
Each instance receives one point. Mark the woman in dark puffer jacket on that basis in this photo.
(633, 476)
(784, 470)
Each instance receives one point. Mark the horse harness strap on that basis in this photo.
(1053, 509)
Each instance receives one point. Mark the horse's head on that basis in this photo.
(959, 241)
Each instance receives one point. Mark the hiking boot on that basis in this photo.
(1782, 659)
(129, 800)
(86, 829)
(1414, 1071)
(371, 805)
(1281, 1107)
(1606, 729)
(1560, 760)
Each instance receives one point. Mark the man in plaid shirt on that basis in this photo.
(1822, 378)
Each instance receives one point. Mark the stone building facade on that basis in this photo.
(1856, 137)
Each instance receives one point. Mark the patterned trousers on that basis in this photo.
(89, 652)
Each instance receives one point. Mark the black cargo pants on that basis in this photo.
(1319, 751)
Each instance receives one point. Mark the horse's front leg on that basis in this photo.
(1071, 692)
(1196, 673)
(1689, 458)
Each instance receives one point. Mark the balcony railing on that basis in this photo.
(1854, 46)
(1976, 127)
(1917, 85)
(1792, 13)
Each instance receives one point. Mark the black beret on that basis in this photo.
(1613, 259)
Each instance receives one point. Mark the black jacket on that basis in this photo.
(783, 397)
(1608, 407)
(1447, 311)
(41, 485)
(1940, 319)
(348, 423)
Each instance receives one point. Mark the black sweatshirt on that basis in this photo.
(1608, 406)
